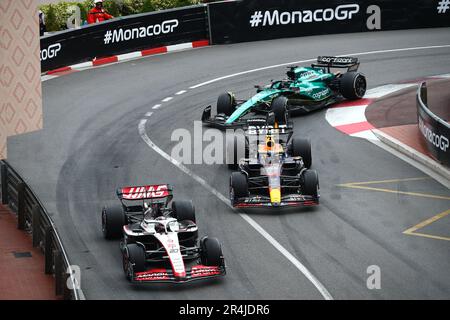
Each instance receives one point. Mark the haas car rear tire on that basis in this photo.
(311, 183)
(211, 252)
(225, 104)
(302, 148)
(353, 85)
(113, 220)
(133, 260)
(238, 186)
(279, 108)
(183, 210)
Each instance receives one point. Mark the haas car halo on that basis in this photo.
(306, 88)
(160, 243)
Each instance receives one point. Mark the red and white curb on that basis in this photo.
(349, 117)
(121, 58)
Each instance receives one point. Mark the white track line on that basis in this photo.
(156, 106)
(248, 71)
(167, 99)
(323, 291)
(149, 114)
(313, 60)
(180, 92)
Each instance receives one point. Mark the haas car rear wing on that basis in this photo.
(145, 192)
(351, 63)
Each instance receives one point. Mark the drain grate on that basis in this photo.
(26, 254)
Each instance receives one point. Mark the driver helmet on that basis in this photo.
(152, 210)
(270, 145)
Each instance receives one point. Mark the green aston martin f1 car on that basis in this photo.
(306, 89)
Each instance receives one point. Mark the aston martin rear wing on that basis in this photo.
(350, 63)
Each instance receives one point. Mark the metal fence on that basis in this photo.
(33, 218)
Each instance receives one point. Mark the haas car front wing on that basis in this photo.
(198, 272)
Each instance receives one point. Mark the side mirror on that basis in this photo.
(206, 114)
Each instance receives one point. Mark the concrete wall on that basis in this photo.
(20, 70)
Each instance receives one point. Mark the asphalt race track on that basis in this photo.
(91, 144)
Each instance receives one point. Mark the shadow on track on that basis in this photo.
(279, 211)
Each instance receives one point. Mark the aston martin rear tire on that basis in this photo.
(353, 85)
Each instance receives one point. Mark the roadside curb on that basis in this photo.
(351, 119)
(411, 153)
(96, 62)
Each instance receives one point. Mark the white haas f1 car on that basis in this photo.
(160, 243)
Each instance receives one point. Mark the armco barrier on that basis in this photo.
(435, 131)
(123, 35)
(251, 20)
(32, 217)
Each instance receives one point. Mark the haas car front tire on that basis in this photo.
(133, 260)
(225, 104)
(353, 85)
(211, 252)
(113, 220)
